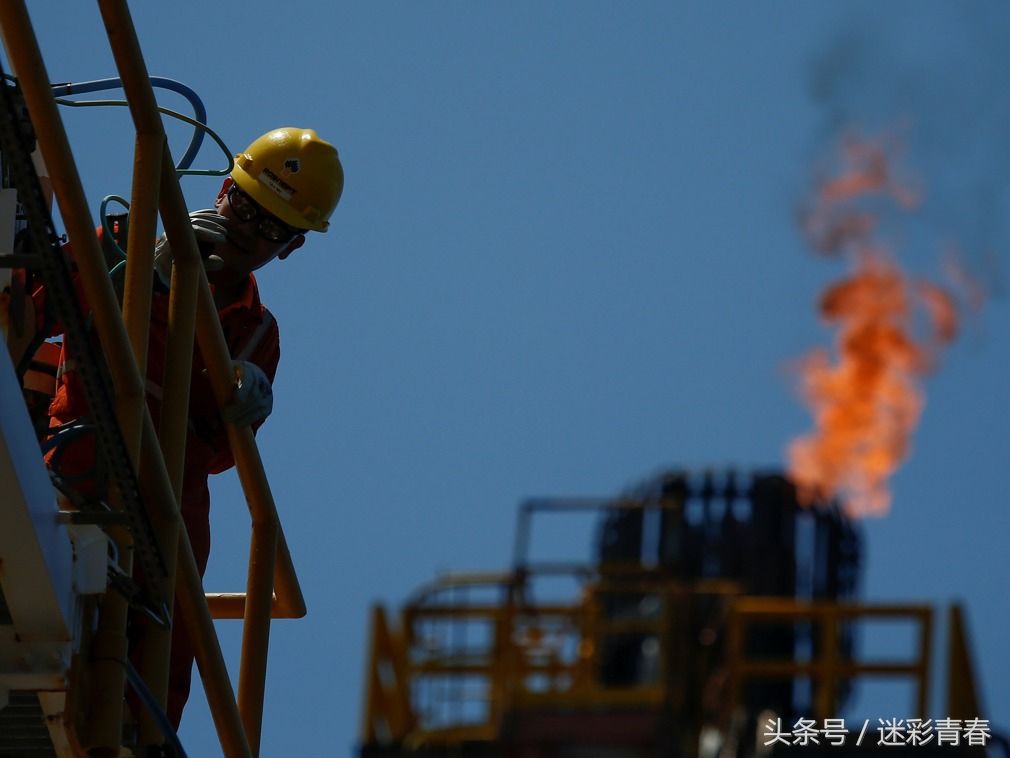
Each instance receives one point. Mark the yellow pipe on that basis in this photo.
(187, 274)
(252, 670)
(143, 221)
(107, 679)
(256, 628)
(231, 605)
(189, 596)
(266, 529)
(192, 608)
(172, 436)
(188, 269)
(137, 316)
(243, 447)
(130, 61)
(290, 600)
(155, 184)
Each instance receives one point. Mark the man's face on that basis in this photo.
(246, 249)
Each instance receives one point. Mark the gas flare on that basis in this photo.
(866, 396)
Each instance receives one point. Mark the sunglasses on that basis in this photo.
(270, 228)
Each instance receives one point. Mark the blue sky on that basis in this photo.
(566, 259)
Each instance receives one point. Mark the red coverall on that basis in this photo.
(251, 333)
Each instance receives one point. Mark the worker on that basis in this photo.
(285, 184)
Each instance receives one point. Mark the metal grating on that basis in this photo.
(23, 731)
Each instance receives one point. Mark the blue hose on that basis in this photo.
(154, 709)
(199, 111)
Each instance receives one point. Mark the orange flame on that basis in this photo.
(867, 401)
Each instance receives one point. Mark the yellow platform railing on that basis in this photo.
(272, 588)
(828, 667)
(527, 656)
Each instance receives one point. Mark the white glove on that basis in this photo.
(208, 226)
(253, 398)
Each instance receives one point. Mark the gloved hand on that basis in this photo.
(209, 227)
(253, 398)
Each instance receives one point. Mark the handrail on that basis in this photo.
(528, 656)
(387, 704)
(828, 668)
(531, 654)
(189, 277)
(238, 722)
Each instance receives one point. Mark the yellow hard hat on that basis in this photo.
(294, 175)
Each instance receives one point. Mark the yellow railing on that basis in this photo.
(534, 655)
(272, 589)
(528, 655)
(828, 667)
(387, 698)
